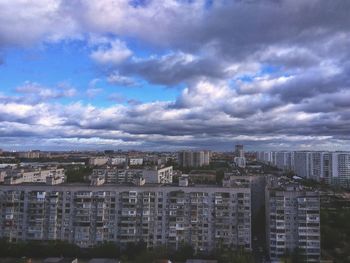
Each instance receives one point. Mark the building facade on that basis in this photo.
(329, 167)
(292, 222)
(49, 175)
(193, 158)
(239, 150)
(205, 217)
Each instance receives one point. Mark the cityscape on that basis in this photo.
(174, 131)
(260, 206)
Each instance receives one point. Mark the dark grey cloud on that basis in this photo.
(174, 68)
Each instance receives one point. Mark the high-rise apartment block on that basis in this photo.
(193, 158)
(240, 162)
(203, 216)
(292, 221)
(328, 167)
(239, 150)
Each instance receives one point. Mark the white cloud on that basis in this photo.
(117, 79)
(35, 91)
(114, 53)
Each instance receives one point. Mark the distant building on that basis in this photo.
(29, 155)
(302, 164)
(239, 151)
(114, 175)
(120, 160)
(135, 161)
(151, 175)
(240, 162)
(48, 175)
(340, 168)
(194, 158)
(329, 167)
(156, 175)
(98, 161)
(284, 160)
(183, 180)
(292, 221)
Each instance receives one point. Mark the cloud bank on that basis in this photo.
(267, 73)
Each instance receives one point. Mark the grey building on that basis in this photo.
(203, 216)
(292, 221)
(193, 158)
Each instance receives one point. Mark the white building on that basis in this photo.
(121, 160)
(135, 161)
(158, 176)
(240, 162)
(49, 175)
(98, 161)
(341, 168)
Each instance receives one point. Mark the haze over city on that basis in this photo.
(170, 75)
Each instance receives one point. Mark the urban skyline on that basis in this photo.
(174, 75)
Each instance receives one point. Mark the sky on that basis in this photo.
(174, 74)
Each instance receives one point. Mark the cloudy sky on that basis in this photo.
(174, 74)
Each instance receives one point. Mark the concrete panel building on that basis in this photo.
(292, 221)
(204, 216)
(193, 158)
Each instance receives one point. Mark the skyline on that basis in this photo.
(172, 75)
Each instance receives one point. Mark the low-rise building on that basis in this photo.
(163, 175)
(49, 175)
(98, 161)
(112, 175)
(119, 160)
(29, 155)
(135, 161)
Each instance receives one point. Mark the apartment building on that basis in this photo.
(162, 175)
(193, 158)
(204, 216)
(265, 157)
(292, 221)
(98, 161)
(239, 150)
(49, 175)
(240, 162)
(341, 168)
(29, 155)
(328, 167)
(135, 161)
(118, 160)
(112, 175)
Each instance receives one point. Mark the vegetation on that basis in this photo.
(234, 256)
(77, 174)
(131, 253)
(335, 232)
